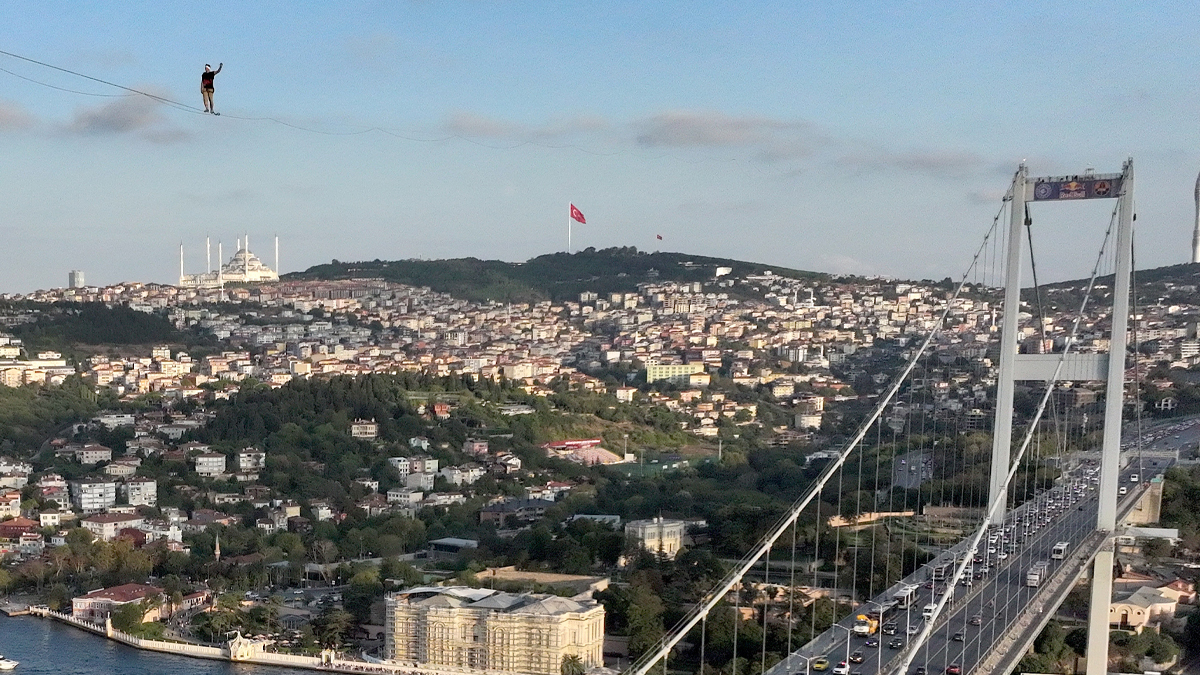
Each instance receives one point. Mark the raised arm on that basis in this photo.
(219, 67)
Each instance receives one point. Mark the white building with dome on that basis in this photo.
(243, 268)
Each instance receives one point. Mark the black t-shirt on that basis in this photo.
(206, 79)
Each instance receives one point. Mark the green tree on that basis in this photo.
(571, 665)
(363, 590)
(128, 617)
(1157, 548)
(331, 626)
(645, 616)
(58, 597)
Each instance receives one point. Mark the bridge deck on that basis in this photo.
(1012, 613)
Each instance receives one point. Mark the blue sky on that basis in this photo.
(861, 137)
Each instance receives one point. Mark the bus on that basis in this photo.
(942, 572)
(905, 597)
(1060, 550)
(1037, 573)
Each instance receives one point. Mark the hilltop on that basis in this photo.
(556, 276)
(1170, 284)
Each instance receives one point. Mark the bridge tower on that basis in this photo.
(1016, 367)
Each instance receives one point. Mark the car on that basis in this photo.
(820, 663)
(976, 620)
(914, 629)
(871, 642)
(857, 657)
(842, 668)
(920, 670)
(889, 628)
(953, 669)
(959, 637)
(896, 643)
(928, 584)
(1002, 555)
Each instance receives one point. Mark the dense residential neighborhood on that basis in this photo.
(328, 461)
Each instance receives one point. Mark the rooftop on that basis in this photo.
(124, 593)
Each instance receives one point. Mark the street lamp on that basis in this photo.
(878, 631)
(848, 633)
(807, 659)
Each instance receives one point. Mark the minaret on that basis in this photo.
(217, 548)
(181, 263)
(1196, 231)
(207, 256)
(277, 244)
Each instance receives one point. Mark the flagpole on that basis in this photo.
(569, 219)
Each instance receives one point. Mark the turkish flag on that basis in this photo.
(659, 237)
(577, 215)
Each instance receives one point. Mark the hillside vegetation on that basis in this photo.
(556, 276)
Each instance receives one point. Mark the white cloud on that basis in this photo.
(936, 162)
(13, 117)
(686, 128)
(137, 115)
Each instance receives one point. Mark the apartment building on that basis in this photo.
(141, 492)
(92, 495)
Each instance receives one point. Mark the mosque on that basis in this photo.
(243, 268)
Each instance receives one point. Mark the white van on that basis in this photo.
(928, 611)
(1133, 478)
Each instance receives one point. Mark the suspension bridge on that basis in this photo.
(911, 603)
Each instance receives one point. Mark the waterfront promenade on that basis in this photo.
(243, 650)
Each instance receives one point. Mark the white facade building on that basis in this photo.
(210, 464)
(91, 495)
(141, 492)
(658, 535)
(481, 629)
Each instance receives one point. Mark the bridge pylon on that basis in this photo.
(1108, 367)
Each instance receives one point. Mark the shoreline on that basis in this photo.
(238, 650)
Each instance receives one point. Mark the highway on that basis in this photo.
(912, 469)
(998, 599)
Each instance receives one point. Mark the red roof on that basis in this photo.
(19, 523)
(124, 593)
(111, 518)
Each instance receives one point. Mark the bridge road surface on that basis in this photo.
(1004, 586)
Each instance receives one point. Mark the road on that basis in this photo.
(912, 469)
(1000, 597)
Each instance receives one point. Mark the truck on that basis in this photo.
(865, 626)
(1035, 575)
(1060, 550)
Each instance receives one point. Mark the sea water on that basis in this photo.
(51, 648)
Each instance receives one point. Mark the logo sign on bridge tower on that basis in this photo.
(1061, 188)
